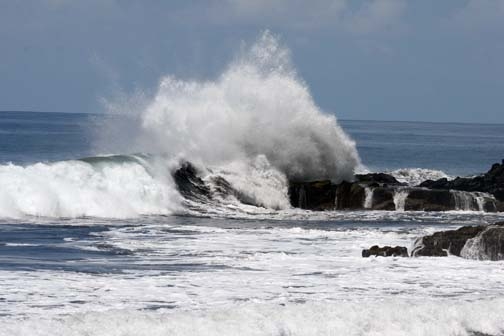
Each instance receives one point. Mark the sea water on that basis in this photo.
(255, 271)
(95, 239)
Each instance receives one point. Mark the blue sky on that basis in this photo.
(426, 60)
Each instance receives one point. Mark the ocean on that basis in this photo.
(93, 244)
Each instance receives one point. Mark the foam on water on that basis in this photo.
(252, 278)
(390, 317)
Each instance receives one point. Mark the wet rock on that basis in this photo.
(376, 179)
(385, 251)
(317, 195)
(429, 200)
(487, 245)
(491, 182)
(472, 242)
(189, 184)
(350, 196)
(383, 199)
(440, 244)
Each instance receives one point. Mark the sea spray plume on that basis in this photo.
(258, 106)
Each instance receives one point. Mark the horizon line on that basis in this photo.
(338, 119)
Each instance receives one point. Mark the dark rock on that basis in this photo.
(318, 195)
(490, 205)
(378, 179)
(440, 244)
(488, 245)
(189, 184)
(491, 182)
(476, 242)
(383, 199)
(386, 251)
(350, 196)
(440, 195)
(429, 200)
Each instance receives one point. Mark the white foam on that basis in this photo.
(415, 176)
(77, 188)
(246, 278)
(260, 183)
(391, 317)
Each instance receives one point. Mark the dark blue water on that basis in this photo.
(457, 149)
(28, 137)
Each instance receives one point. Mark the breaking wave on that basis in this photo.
(115, 187)
(256, 124)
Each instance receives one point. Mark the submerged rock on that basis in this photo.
(473, 242)
(385, 251)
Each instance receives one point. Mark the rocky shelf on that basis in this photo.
(383, 192)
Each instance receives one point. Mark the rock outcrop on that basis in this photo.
(385, 251)
(487, 245)
(189, 184)
(473, 242)
(325, 195)
(429, 200)
(318, 195)
(368, 192)
(491, 182)
(376, 179)
(443, 243)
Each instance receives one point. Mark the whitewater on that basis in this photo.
(96, 237)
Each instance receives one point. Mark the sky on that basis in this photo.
(426, 60)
